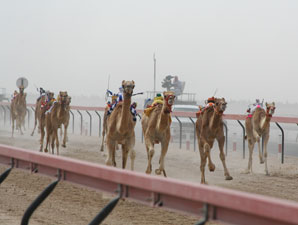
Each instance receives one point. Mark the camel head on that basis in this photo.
(270, 108)
(68, 100)
(50, 95)
(220, 105)
(169, 98)
(62, 98)
(21, 88)
(128, 87)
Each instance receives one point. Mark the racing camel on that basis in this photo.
(120, 128)
(209, 126)
(57, 115)
(156, 122)
(257, 126)
(18, 109)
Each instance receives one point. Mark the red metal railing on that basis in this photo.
(224, 205)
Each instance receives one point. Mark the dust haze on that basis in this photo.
(246, 49)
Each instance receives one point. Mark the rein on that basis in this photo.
(169, 107)
(268, 110)
(216, 111)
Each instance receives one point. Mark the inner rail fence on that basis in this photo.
(213, 203)
(189, 115)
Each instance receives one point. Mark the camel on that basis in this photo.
(55, 117)
(209, 126)
(257, 126)
(66, 122)
(120, 128)
(104, 128)
(37, 113)
(156, 128)
(43, 107)
(18, 109)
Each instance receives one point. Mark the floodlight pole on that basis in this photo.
(154, 60)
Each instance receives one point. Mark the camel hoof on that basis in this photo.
(211, 168)
(246, 171)
(63, 145)
(158, 171)
(101, 149)
(45, 150)
(148, 171)
(267, 173)
(229, 178)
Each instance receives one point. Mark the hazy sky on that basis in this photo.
(245, 48)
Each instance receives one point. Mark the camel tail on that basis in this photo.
(245, 137)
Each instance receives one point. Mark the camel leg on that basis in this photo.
(258, 139)
(56, 138)
(42, 133)
(203, 163)
(150, 149)
(47, 141)
(221, 142)
(207, 150)
(102, 140)
(12, 127)
(19, 125)
(35, 123)
(164, 149)
(251, 145)
(149, 166)
(266, 139)
(52, 140)
(111, 152)
(125, 150)
(260, 151)
(65, 135)
(132, 154)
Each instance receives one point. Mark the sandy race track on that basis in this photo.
(70, 204)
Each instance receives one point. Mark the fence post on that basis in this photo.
(99, 119)
(28, 117)
(282, 142)
(194, 134)
(243, 129)
(72, 121)
(90, 121)
(226, 128)
(180, 138)
(81, 121)
(4, 112)
(9, 114)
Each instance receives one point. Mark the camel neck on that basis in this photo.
(125, 113)
(216, 118)
(265, 122)
(164, 118)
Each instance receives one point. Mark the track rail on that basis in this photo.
(224, 205)
(278, 119)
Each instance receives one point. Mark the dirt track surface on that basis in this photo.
(70, 204)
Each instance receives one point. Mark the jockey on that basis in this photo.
(255, 105)
(15, 93)
(157, 100)
(42, 92)
(133, 111)
(114, 101)
(210, 102)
